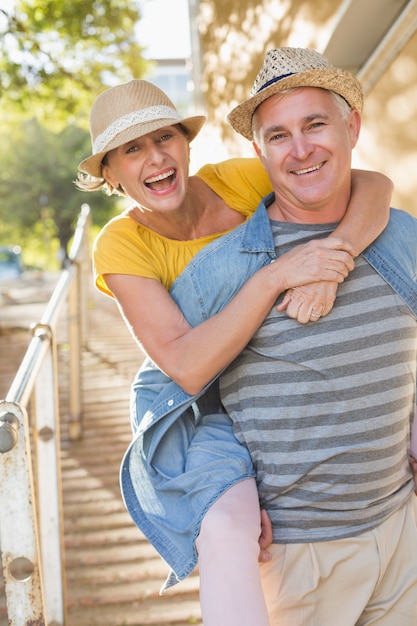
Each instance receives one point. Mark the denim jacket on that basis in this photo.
(166, 499)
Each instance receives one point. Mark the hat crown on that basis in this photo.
(123, 106)
(284, 69)
(283, 62)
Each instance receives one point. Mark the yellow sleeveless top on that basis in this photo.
(124, 246)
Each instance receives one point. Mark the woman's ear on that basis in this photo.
(109, 176)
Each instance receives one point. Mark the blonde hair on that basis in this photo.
(85, 182)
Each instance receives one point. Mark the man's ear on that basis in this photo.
(259, 152)
(257, 149)
(355, 122)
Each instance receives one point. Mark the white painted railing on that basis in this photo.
(31, 524)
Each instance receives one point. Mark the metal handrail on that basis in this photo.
(31, 521)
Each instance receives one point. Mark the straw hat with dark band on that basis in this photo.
(129, 111)
(288, 68)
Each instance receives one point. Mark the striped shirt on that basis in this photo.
(325, 408)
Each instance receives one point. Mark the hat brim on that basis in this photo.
(337, 80)
(93, 164)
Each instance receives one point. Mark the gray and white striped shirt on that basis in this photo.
(325, 408)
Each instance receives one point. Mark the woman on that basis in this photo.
(141, 150)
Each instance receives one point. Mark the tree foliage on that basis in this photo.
(55, 57)
(37, 170)
(54, 54)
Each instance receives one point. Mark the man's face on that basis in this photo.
(305, 144)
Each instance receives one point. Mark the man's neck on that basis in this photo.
(285, 212)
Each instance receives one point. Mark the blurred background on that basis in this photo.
(57, 56)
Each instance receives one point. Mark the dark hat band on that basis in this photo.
(274, 80)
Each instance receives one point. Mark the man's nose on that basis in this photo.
(301, 146)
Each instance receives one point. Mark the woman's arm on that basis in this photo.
(368, 210)
(193, 356)
(366, 217)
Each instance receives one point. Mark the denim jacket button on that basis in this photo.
(170, 402)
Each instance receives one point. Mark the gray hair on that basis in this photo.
(342, 105)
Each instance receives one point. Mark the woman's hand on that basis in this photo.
(310, 302)
(329, 259)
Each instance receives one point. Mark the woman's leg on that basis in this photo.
(228, 550)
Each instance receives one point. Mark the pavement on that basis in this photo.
(113, 575)
(23, 300)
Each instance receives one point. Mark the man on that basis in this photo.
(325, 409)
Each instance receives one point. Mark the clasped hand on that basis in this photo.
(309, 302)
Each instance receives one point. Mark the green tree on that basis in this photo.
(55, 57)
(37, 170)
(55, 54)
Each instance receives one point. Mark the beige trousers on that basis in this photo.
(366, 580)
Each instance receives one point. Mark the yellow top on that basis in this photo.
(126, 247)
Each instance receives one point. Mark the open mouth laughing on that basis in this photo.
(162, 181)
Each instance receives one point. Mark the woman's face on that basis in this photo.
(153, 169)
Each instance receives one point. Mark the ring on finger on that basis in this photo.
(316, 315)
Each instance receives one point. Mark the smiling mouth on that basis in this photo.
(308, 170)
(161, 181)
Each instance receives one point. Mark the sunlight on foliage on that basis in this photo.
(55, 57)
(54, 54)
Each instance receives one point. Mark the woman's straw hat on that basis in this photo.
(129, 111)
(288, 68)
